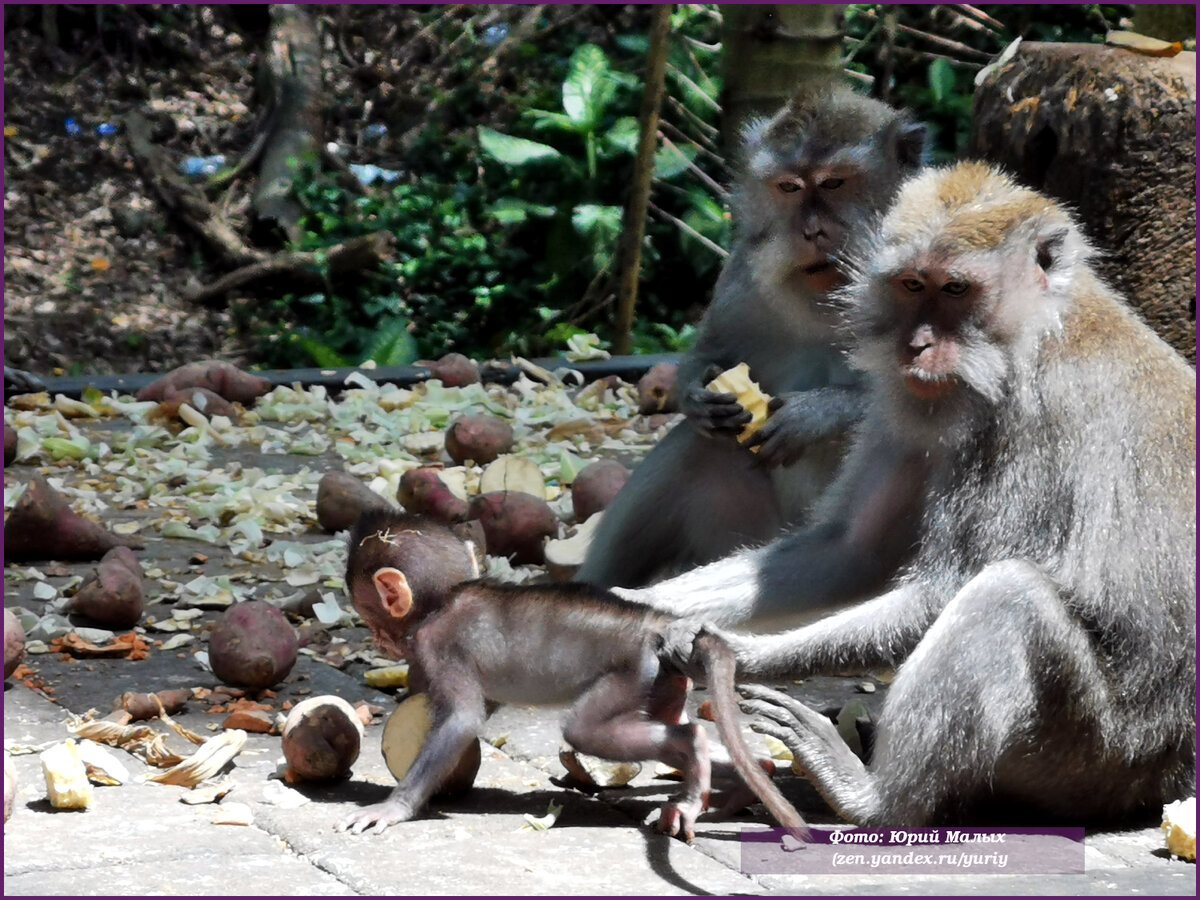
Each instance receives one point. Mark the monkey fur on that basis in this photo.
(482, 643)
(1039, 441)
(816, 174)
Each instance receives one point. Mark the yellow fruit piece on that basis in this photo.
(66, 777)
(1179, 822)
(387, 677)
(749, 395)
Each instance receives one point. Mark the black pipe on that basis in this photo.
(629, 368)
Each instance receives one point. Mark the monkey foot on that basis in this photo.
(678, 818)
(376, 818)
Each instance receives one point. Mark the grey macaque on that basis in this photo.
(817, 173)
(1043, 440)
(540, 646)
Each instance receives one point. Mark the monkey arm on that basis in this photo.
(801, 418)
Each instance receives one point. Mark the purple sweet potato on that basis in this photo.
(145, 706)
(423, 492)
(595, 487)
(658, 390)
(453, 370)
(252, 645)
(43, 526)
(111, 594)
(515, 524)
(479, 438)
(14, 642)
(208, 403)
(10, 443)
(321, 739)
(216, 375)
(342, 498)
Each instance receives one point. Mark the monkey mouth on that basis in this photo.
(925, 386)
(817, 268)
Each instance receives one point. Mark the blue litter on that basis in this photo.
(369, 174)
(196, 166)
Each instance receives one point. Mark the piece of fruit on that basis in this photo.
(66, 776)
(252, 645)
(479, 438)
(342, 498)
(321, 738)
(596, 486)
(749, 395)
(404, 735)
(515, 525)
(111, 594)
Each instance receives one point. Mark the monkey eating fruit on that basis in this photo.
(540, 646)
(1035, 443)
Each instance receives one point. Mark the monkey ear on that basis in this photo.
(1050, 242)
(911, 139)
(394, 593)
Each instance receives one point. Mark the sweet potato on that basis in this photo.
(479, 438)
(10, 443)
(252, 645)
(321, 739)
(595, 487)
(218, 376)
(453, 370)
(144, 706)
(14, 642)
(658, 390)
(111, 594)
(515, 524)
(42, 526)
(423, 492)
(206, 402)
(342, 498)
(405, 733)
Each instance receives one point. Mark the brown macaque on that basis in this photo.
(540, 646)
(817, 173)
(1040, 442)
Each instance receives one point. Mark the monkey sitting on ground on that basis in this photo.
(1044, 439)
(817, 173)
(539, 646)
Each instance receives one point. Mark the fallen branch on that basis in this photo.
(360, 253)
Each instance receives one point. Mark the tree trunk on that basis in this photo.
(1113, 134)
(298, 119)
(769, 51)
(633, 226)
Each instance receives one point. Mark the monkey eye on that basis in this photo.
(912, 285)
(832, 184)
(789, 187)
(955, 288)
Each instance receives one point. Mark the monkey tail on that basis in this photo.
(721, 667)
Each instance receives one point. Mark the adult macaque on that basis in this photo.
(1045, 628)
(816, 174)
(540, 646)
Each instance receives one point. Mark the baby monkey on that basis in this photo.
(481, 643)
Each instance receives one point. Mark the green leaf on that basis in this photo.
(593, 219)
(394, 345)
(512, 211)
(671, 161)
(941, 79)
(588, 88)
(322, 354)
(513, 151)
(633, 43)
(544, 119)
(624, 134)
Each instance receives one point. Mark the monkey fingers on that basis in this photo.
(679, 816)
(712, 412)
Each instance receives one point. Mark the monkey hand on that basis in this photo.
(802, 418)
(677, 645)
(390, 812)
(712, 412)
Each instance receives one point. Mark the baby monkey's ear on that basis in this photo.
(395, 596)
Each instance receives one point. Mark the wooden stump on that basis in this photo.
(1112, 134)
